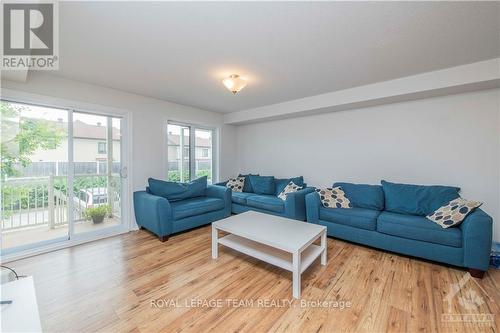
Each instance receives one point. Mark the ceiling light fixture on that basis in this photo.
(234, 83)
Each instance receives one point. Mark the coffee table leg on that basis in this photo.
(296, 274)
(215, 245)
(323, 245)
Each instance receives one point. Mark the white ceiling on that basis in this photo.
(180, 51)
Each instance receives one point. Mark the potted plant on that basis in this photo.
(97, 213)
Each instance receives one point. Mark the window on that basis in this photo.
(178, 158)
(101, 147)
(194, 160)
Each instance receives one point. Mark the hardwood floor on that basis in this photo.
(128, 284)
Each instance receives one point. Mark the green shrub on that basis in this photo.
(97, 212)
(175, 175)
(201, 173)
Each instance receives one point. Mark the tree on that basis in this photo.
(21, 137)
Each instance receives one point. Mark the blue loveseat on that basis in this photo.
(392, 217)
(165, 208)
(264, 197)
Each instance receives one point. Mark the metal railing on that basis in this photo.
(36, 201)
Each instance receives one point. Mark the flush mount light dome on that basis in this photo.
(234, 83)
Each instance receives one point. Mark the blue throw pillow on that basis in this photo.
(417, 199)
(262, 184)
(363, 196)
(174, 191)
(280, 184)
(247, 187)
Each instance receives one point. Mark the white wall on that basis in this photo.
(450, 140)
(149, 117)
(228, 145)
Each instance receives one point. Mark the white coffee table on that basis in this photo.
(279, 241)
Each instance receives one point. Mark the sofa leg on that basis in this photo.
(476, 273)
(141, 228)
(163, 238)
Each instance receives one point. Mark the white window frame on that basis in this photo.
(192, 148)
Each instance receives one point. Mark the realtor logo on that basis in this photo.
(30, 36)
(470, 301)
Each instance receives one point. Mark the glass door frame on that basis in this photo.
(192, 148)
(26, 248)
(73, 239)
(124, 180)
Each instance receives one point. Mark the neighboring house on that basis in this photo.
(203, 152)
(90, 151)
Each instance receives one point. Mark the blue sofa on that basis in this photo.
(392, 217)
(293, 207)
(165, 208)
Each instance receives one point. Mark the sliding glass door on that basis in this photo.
(97, 181)
(34, 163)
(190, 152)
(63, 175)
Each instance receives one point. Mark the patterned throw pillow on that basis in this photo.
(236, 184)
(333, 198)
(290, 188)
(454, 212)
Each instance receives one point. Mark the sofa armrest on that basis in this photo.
(476, 239)
(221, 183)
(295, 204)
(217, 191)
(312, 207)
(153, 213)
(221, 192)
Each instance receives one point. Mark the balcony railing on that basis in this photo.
(37, 201)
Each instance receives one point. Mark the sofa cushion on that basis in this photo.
(195, 206)
(248, 186)
(417, 228)
(174, 191)
(262, 184)
(454, 212)
(266, 202)
(353, 217)
(236, 184)
(280, 184)
(241, 197)
(290, 188)
(333, 197)
(416, 199)
(363, 195)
